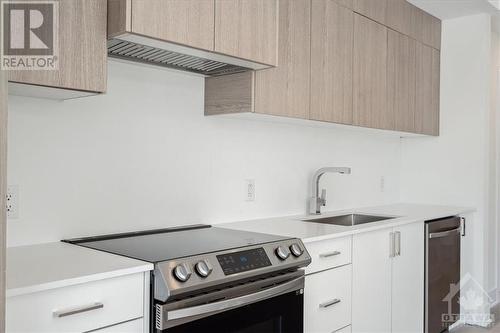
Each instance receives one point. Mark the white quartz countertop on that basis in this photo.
(41, 267)
(293, 226)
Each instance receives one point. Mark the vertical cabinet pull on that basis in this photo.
(397, 242)
(391, 245)
(462, 219)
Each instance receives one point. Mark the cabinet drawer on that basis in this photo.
(78, 308)
(327, 300)
(346, 329)
(133, 326)
(329, 253)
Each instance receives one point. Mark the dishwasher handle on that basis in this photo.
(444, 233)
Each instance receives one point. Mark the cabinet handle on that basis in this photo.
(329, 303)
(397, 241)
(391, 245)
(329, 254)
(463, 226)
(73, 311)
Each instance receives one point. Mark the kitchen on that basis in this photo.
(148, 152)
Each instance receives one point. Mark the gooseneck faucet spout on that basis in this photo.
(317, 201)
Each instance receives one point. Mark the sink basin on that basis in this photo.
(350, 219)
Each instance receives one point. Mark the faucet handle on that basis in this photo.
(323, 197)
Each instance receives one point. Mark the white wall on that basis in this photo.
(144, 156)
(454, 168)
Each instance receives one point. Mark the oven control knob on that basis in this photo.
(203, 268)
(296, 250)
(182, 272)
(282, 252)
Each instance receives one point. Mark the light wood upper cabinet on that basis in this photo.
(284, 90)
(331, 62)
(427, 29)
(247, 29)
(401, 16)
(370, 75)
(82, 50)
(373, 9)
(188, 22)
(427, 90)
(401, 79)
(280, 91)
(410, 20)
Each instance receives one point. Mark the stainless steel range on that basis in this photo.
(210, 279)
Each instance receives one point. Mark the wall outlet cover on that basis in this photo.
(12, 202)
(249, 189)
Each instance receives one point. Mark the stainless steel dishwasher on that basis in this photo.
(442, 268)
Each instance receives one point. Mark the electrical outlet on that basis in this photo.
(250, 189)
(12, 202)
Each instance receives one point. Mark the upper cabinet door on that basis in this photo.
(401, 16)
(284, 90)
(82, 50)
(331, 62)
(247, 29)
(401, 77)
(370, 75)
(188, 22)
(374, 9)
(427, 90)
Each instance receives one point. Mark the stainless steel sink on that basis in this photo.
(350, 219)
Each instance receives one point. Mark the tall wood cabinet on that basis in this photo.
(370, 75)
(401, 80)
(331, 62)
(284, 90)
(82, 50)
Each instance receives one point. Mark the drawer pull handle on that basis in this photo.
(329, 254)
(329, 303)
(73, 311)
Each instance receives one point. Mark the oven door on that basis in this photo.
(271, 306)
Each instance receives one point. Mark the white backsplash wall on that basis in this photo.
(144, 156)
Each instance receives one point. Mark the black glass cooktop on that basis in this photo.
(166, 244)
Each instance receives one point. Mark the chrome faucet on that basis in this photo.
(317, 201)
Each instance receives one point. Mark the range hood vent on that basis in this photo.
(160, 53)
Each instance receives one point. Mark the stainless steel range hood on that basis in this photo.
(144, 49)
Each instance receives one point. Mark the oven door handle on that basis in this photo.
(232, 303)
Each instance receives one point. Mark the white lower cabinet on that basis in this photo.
(388, 280)
(327, 300)
(80, 308)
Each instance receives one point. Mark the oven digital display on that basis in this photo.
(238, 262)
